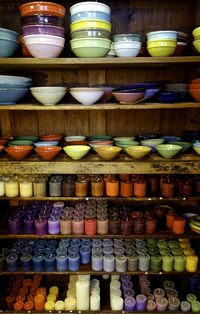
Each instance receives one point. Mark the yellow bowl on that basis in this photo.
(196, 44)
(108, 152)
(75, 26)
(161, 43)
(165, 51)
(196, 32)
(76, 152)
(137, 152)
(197, 149)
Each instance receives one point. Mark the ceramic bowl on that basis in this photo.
(3, 141)
(129, 97)
(43, 30)
(168, 97)
(195, 93)
(124, 138)
(168, 150)
(100, 137)
(11, 96)
(48, 152)
(90, 15)
(127, 48)
(75, 138)
(196, 32)
(48, 95)
(123, 145)
(92, 5)
(171, 138)
(161, 51)
(87, 95)
(90, 47)
(76, 143)
(137, 152)
(42, 7)
(90, 32)
(8, 34)
(46, 143)
(2, 147)
(180, 47)
(185, 145)
(196, 44)
(78, 25)
(20, 143)
(51, 137)
(27, 137)
(197, 149)
(108, 152)
(44, 46)
(95, 144)
(162, 34)
(11, 79)
(145, 136)
(8, 47)
(76, 152)
(126, 37)
(152, 143)
(18, 152)
(42, 19)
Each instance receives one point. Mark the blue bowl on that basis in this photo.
(90, 15)
(12, 79)
(150, 92)
(8, 34)
(12, 96)
(171, 138)
(168, 97)
(8, 47)
(46, 143)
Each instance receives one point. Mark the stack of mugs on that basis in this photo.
(90, 29)
(43, 28)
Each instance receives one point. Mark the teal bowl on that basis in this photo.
(185, 145)
(8, 47)
(8, 34)
(100, 137)
(20, 143)
(27, 137)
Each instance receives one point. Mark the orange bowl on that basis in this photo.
(195, 81)
(3, 141)
(42, 7)
(18, 152)
(1, 148)
(51, 137)
(195, 94)
(48, 152)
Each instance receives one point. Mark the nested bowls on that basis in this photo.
(90, 32)
(42, 7)
(161, 43)
(90, 47)
(126, 37)
(92, 5)
(86, 95)
(42, 19)
(8, 42)
(78, 25)
(43, 30)
(90, 15)
(48, 95)
(127, 48)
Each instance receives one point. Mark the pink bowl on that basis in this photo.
(128, 97)
(43, 29)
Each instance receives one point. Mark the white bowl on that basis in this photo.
(127, 44)
(87, 95)
(164, 34)
(74, 138)
(127, 48)
(44, 39)
(89, 5)
(48, 95)
(11, 79)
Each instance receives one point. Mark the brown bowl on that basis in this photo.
(128, 97)
(1, 148)
(42, 7)
(18, 152)
(3, 141)
(51, 137)
(76, 143)
(195, 94)
(48, 152)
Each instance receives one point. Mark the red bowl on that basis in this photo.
(1, 148)
(18, 152)
(48, 152)
(76, 143)
(195, 94)
(180, 47)
(51, 137)
(42, 7)
(3, 141)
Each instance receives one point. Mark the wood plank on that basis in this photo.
(182, 164)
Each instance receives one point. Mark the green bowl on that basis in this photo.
(185, 145)
(100, 137)
(168, 150)
(28, 137)
(126, 143)
(20, 142)
(90, 47)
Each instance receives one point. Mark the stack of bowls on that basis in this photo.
(8, 42)
(90, 29)
(196, 42)
(13, 88)
(43, 28)
(161, 43)
(181, 43)
(127, 45)
(194, 89)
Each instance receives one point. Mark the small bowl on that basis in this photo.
(196, 149)
(76, 143)
(137, 152)
(161, 51)
(42, 7)
(18, 152)
(91, 33)
(123, 145)
(129, 97)
(92, 5)
(20, 143)
(8, 47)
(46, 143)
(168, 150)
(100, 137)
(42, 19)
(43, 29)
(76, 152)
(162, 34)
(74, 138)
(1, 148)
(90, 47)
(87, 95)
(124, 138)
(90, 15)
(78, 25)
(48, 95)
(11, 96)
(126, 37)
(152, 143)
(145, 136)
(108, 152)
(195, 93)
(3, 141)
(127, 49)
(51, 137)
(48, 152)
(168, 97)
(185, 145)
(171, 138)
(27, 137)
(95, 144)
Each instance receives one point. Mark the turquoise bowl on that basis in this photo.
(20, 143)
(100, 137)
(27, 137)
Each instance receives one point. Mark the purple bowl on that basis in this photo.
(43, 29)
(168, 97)
(42, 19)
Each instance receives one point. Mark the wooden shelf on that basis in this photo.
(103, 106)
(78, 63)
(92, 163)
